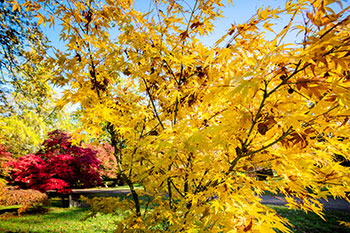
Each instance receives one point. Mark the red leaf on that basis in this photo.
(247, 228)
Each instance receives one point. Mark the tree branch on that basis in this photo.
(242, 155)
(152, 101)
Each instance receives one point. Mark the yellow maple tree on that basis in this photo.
(196, 123)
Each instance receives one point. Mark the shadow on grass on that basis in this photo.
(312, 223)
(9, 209)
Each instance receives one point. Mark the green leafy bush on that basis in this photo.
(30, 200)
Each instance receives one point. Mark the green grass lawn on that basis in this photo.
(312, 223)
(59, 219)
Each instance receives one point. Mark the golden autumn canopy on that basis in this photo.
(195, 123)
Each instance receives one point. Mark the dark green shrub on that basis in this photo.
(30, 200)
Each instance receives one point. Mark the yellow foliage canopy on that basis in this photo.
(195, 123)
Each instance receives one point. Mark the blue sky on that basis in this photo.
(240, 12)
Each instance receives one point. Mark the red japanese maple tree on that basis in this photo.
(60, 166)
(105, 153)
